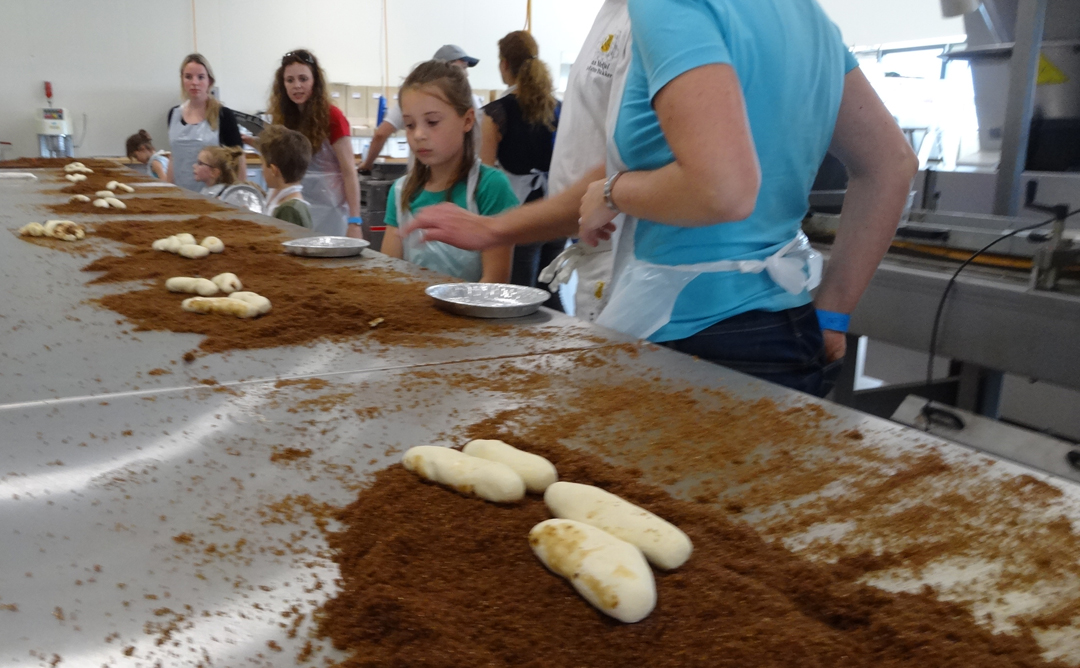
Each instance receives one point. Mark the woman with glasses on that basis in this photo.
(301, 102)
(198, 122)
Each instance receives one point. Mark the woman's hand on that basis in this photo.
(354, 231)
(835, 345)
(450, 224)
(594, 224)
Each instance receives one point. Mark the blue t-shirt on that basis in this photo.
(791, 63)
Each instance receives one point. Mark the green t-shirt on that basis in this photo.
(294, 211)
(493, 196)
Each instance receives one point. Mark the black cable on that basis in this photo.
(949, 285)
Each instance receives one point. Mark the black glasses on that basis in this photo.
(302, 56)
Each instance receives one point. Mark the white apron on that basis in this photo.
(642, 295)
(186, 141)
(436, 255)
(324, 190)
(594, 87)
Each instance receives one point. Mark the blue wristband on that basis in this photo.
(837, 322)
(356, 220)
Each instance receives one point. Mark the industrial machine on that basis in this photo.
(1017, 309)
(54, 129)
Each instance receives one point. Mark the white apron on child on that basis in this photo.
(324, 190)
(436, 255)
(643, 294)
(186, 142)
(277, 197)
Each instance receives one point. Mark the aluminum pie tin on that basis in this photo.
(325, 246)
(487, 300)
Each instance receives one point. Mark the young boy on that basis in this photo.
(285, 155)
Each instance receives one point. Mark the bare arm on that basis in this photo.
(378, 140)
(497, 262)
(489, 146)
(391, 243)
(156, 169)
(715, 177)
(541, 220)
(241, 167)
(880, 166)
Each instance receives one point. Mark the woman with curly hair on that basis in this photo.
(300, 101)
(199, 122)
(519, 135)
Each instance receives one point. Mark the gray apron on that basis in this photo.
(435, 255)
(186, 141)
(324, 190)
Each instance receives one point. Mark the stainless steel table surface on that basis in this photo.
(166, 525)
(55, 344)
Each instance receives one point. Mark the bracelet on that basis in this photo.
(609, 185)
(837, 322)
(356, 220)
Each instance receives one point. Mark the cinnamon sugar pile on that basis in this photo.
(431, 578)
(310, 302)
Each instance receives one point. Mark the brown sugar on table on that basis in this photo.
(144, 206)
(310, 302)
(59, 163)
(431, 578)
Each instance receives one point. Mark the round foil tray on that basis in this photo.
(325, 246)
(487, 300)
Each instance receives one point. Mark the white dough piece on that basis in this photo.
(220, 305)
(75, 178)
(227, 283)
(168, 244)
(125, 187)
(101, 203)
(103, 193)
(72, 167)
(537, 472)
(194, 286)
(665, 545)
(50, 226)
(115, 203)
(79, 198)
(193, 251)
(609, 573)
(111, 185)
(213, 244)
(260, 303)
(473, 476)
(32, 230)
(186, 238)
(65, 230)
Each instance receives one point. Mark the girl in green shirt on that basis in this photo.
(436, 103)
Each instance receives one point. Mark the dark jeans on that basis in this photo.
(529, 259)
(784, 347)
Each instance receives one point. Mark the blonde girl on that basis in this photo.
(440, 122)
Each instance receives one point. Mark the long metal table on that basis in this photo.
(152, 520)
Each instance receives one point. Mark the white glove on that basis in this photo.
(563, 266)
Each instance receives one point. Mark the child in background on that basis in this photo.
(215, 168)
(285, 155)
(141, 150)
(440, 122)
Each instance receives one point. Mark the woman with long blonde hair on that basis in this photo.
(300, 101)
(200, 121)
(519, 136)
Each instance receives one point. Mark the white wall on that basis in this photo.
(869, 22)
(117, 60)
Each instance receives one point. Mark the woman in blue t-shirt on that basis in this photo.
(728, 110)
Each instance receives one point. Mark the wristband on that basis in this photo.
(356, 220)
(837, 322)
(609, 185)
